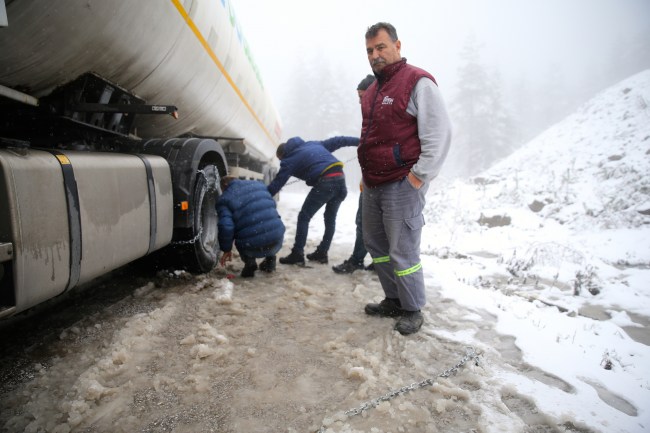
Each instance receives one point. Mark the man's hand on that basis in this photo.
(226, 257)
(414, 181)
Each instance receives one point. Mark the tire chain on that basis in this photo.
(211, 188)
(470, 354)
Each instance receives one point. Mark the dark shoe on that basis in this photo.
(318, 256)
(409, 323)
(387, 308)
(347, 267)
(370, 267)
(268, 264)
(293, 259)
(249, 270)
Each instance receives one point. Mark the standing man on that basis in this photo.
(313, 162)
(359, 252)
(248, 218)
(405, 137)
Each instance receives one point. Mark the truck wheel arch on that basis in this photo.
(197, 165)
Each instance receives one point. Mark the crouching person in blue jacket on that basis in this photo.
(248, 218)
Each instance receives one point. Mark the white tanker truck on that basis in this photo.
(117, 119)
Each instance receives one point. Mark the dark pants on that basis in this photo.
(251, 262)
(249, 255)
(359, 252)
(329, 191)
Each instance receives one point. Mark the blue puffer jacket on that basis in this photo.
(307, 160)
(248, 216)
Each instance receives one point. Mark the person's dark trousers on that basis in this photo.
(329, 191)
(359, 252)
(249, 255)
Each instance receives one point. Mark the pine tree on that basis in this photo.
(482, 127)
(321, 102)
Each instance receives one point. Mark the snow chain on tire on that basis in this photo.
(211, 189)
(470, 354)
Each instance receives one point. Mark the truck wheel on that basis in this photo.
(204, 251)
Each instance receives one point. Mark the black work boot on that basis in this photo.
(293, 259)
(268, 264)
(318, 256)
(250, 266)
(410, 322)
(347, 267)
(389, 307)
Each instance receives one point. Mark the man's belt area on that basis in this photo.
(334, 170)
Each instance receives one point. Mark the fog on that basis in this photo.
(577, 37)
(546, 57)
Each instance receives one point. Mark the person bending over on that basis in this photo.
(313, 162)
(248, 218)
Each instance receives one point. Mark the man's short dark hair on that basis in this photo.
(279, 152)
(366, 82)
(374, 29)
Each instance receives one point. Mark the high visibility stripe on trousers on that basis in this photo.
(403, 273)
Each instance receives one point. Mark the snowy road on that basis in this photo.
(282, 352)
(287, 352)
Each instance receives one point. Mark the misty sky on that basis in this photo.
(519, 37)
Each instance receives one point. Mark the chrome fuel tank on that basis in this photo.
(122, 210)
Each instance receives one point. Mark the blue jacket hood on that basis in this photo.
(292, 144)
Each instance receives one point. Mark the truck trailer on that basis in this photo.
(117, 120)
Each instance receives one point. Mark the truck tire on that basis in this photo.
(202, 254)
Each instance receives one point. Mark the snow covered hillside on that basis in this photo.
(554, 241)
(591, 170)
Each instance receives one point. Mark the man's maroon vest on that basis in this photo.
(389, 145)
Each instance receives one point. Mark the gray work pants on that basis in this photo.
(392, 228)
